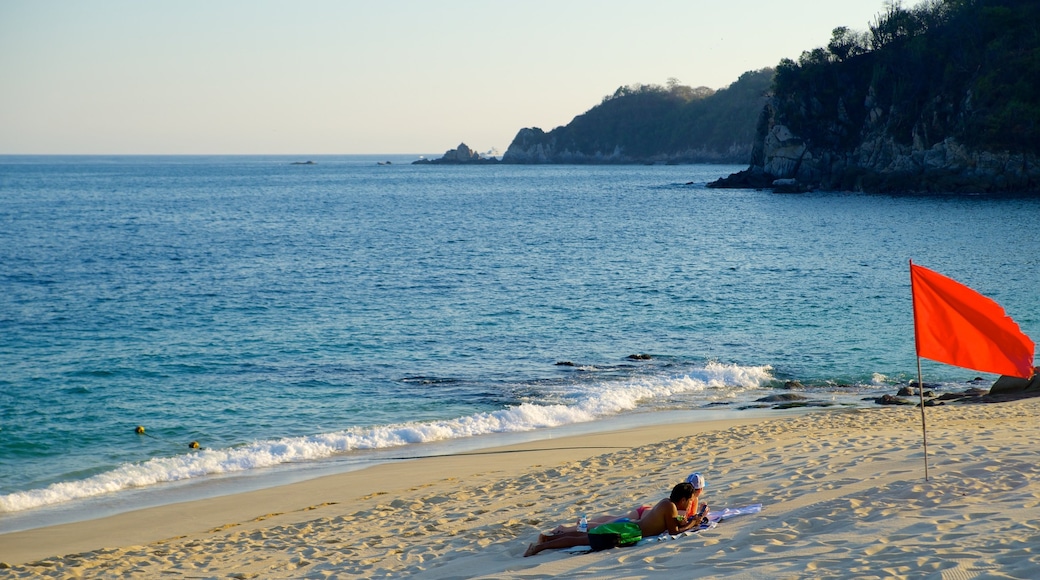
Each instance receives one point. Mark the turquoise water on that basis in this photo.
(285, 315)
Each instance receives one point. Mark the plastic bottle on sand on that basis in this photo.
(583, 525)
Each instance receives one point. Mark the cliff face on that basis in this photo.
(879, 162)
(943, 97)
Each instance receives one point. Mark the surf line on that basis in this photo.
(498, 452)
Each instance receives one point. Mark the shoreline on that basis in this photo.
(218, 485)
(843, 493)
(212, 510)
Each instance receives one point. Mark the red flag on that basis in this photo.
(956, 325)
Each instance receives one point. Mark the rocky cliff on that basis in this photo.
(879, 162)
(943, 97)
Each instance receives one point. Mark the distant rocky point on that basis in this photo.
(462, 155)
(303, 163)
(652, 124)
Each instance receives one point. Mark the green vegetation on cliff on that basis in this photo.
(943, 96)
(652, 123)
(966, 69)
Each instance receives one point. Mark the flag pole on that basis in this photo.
(924, 428)
(920, 381)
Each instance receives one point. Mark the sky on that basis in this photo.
(364, 76)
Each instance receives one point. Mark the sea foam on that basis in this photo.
(586, 403)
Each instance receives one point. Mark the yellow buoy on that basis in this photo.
(139, 430)
(194, 445)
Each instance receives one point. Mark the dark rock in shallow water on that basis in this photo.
(931, 403)
(912, 392)
(789, 185)
(1000, 398)
(975, 395)
(968, 393)
(640, 357)
(952, 396)
(751, 178)
(781, 398)
(793, 385)
(800, 404)
(890, 400)
(1006, 385)
(564, 363)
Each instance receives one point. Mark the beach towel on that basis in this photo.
(714, 519)
(614, 535)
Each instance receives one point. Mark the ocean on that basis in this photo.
(296, 320)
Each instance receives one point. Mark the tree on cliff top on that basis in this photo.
(966, 69)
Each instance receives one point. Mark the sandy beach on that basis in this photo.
(844, 495)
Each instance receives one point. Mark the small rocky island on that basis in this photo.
(461, 155)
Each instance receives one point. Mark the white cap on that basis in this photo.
(696, 479)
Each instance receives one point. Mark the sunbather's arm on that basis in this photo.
(677, 524)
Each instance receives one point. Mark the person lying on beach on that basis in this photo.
(633, 516)
(696, 506)
(661, 518)
(694, 479)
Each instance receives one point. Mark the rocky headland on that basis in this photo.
(461, 155)
(651, 124)
(535, 146)
(788, 163)
(938, 98)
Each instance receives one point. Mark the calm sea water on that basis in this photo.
(288, 316)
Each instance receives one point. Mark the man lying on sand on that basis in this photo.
(695, 479)
(662, 517)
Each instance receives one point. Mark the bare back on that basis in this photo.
(656, 521)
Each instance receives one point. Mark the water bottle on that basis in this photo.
(583, 525)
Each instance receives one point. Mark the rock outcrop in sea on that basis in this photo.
(461, 155)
